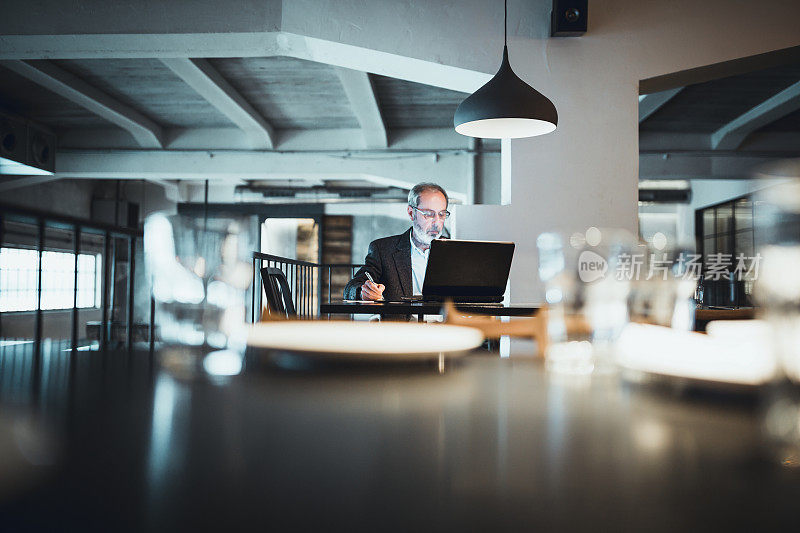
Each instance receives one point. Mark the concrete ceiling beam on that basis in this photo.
(657, 166)
(232, 138)
(25, 181)
(650, 103)
(216, 90)
(777, 142)
(251, 44)
(136, 46)
(361, 94)
(147, 133)
(731, 135)
(399, 170)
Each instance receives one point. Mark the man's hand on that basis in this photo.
(372, 291)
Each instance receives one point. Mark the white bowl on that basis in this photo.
(383, 341)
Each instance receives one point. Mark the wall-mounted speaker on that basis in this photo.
(13, 139)
(569, 18)
(41, 149)
(24, 142)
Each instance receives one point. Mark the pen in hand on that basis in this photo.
(369, 277)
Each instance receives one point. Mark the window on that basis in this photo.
(725, 232)
(19, 276)
(727, 228)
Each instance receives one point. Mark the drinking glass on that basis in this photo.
(199, 273)
(777, 285)
(777, 292)
(586, 296)
(663, 292)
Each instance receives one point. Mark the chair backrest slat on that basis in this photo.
(279, 295)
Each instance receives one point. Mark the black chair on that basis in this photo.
(279, 295)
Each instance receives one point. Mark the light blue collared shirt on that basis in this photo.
(419, 264)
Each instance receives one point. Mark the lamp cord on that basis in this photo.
(505, 23)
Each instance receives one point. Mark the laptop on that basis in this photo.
(466, 271)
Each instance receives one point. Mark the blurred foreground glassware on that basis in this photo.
(781, 424)
(586, 297)
(776, 290)
(777, 287)
(199, 271)
(663, 290)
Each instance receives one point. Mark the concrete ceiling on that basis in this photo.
(729, 127)
(28, 99)
(259, 90)
(707, 107)
(288, 93)
(414, 105)
(148, 86)
(165, 117)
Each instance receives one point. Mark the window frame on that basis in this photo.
(96, 280)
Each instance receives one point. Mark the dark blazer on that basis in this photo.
(389, 263)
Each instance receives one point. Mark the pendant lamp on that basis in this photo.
(505, 107)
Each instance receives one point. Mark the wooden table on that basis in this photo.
(703, 316)
(423, 308)
(491, 444)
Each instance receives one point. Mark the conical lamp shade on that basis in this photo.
(505, 108)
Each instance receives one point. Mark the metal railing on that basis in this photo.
(305, 280)
(77, 228)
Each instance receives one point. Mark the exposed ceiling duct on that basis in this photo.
(319, 191)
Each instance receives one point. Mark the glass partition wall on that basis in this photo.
(67, 285)
(725, 236)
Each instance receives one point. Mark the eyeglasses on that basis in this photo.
(429, 214)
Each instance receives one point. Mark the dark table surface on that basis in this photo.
(109, 442)
(424, 308)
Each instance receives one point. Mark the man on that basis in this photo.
(397, 264)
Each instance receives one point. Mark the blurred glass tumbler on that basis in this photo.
(664, 293)
(777, 287)
(199, 272)
(586, 297)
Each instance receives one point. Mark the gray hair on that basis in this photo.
(419, 188)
